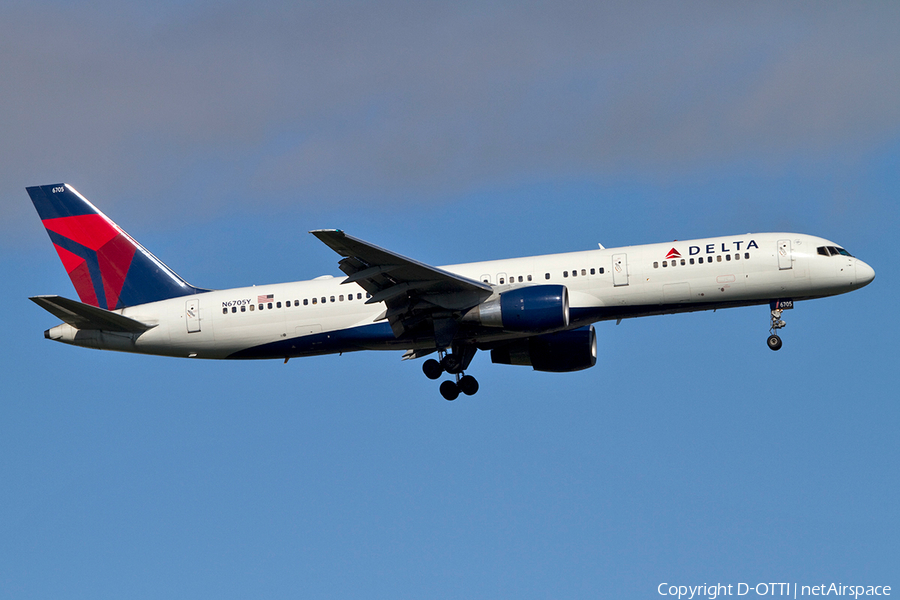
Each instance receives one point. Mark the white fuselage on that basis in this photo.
(323, 316)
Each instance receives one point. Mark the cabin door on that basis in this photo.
(192, 315)
(784, 254)
(620, 269)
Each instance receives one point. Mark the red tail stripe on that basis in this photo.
(115, 259)
(81, 279)
(70, 261)
(91, 231)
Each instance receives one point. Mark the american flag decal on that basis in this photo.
(266, 298)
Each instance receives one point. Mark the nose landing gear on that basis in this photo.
(774, 342)
(453, 363)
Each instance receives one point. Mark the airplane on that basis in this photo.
(535, 311)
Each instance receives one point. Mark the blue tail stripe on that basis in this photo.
(52, 205)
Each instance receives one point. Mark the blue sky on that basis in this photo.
(219, 134)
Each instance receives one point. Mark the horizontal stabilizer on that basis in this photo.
(85, 316)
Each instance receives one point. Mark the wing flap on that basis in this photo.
(413, 292)
(377, 270)
(85, 316)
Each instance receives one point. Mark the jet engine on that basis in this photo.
(559, 352)
(531, 308)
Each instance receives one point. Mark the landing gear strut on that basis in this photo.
(774, 341)
(453, 363)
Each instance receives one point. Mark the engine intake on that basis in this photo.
(532, 308)
(560, 352)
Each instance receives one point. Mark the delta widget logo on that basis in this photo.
(715, 248)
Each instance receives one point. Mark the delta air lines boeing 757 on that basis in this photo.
(536, 311)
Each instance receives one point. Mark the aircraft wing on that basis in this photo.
(417, 295)
(85, 316)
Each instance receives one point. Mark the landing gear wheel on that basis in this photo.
(432, 369)
(449, 390)
(452, 364)
(468, 385)
(774, 341)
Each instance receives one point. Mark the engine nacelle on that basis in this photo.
(531, 308)
(559, 352)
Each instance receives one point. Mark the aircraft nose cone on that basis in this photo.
(864, 273)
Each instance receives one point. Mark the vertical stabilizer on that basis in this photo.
(108, 268)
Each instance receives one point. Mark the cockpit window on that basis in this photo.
(832, 251)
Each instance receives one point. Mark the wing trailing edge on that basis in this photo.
(416, 295)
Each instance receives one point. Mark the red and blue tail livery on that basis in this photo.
(108, 268)
(535, 311)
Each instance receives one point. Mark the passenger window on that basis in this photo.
(737, 256)
(700, 260)
(306, 302)
(665, 263)
(728, 257)
(692, 261)
(341, 298)
(261, 306)
(682, 262)
(592, 270)
(565, 273)
(520, 279)
(746, 255)
(296, 303)
(602, 270)
(315, 300)
(252, 306)
(359, 296)
(502, 281)
(719, 258)
(529, 278)
(269, 305)
(225, 311)
(546, 275)
(243, 309)
(583, 272)
(575, 273)
(278, 305)
(323, 299)
(656, 265)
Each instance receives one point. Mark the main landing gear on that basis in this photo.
(453, 363)
(774, 341)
